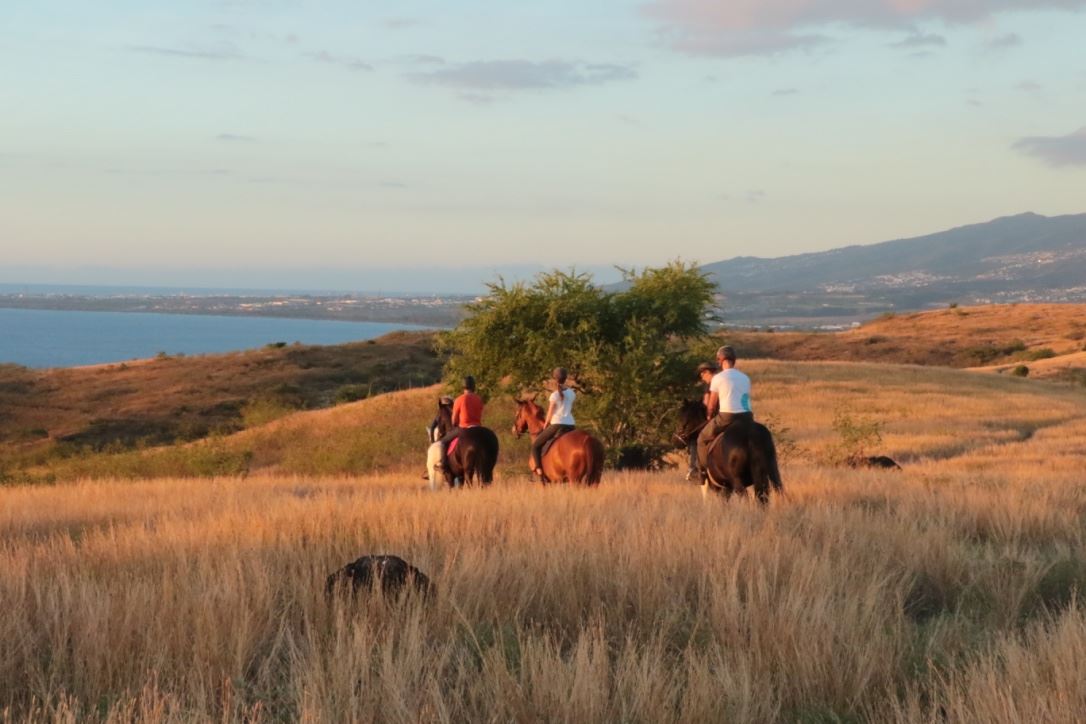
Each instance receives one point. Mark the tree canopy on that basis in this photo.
(630, 352)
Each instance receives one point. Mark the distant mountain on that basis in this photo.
(1017, 258)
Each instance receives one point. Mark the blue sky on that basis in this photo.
(322, 142)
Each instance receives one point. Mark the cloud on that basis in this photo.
(1029, 86)
(234, 138)
(220, 53)
(752, 27)
(423, 59)
(1004, 42)
(401, 23)
(350, 63)
(510, 75)
(782, 92)
(1069, 150)
(917, 39)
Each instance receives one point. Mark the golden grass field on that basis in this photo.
(946, 592)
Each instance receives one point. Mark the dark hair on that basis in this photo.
(469, 383)
(559, 375)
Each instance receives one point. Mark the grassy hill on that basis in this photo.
(923, 414)
(991, 335)
(172, 398)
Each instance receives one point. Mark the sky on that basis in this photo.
(425, 144)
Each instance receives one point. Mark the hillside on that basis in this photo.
(184, 398)
(994, 337)
(926, 414)
(1013, 259)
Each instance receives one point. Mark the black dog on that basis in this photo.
(393, 573)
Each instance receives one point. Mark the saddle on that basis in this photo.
(550, 443)
(452, 446)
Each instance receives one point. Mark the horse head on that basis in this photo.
(444, 417)
(527, 410)
(691, 421)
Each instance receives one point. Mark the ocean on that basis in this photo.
(48, 338)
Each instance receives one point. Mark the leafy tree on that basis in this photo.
(630, 353)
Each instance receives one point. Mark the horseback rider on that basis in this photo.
(729, 402)
(467, 412)
(706, 370)
(559, 418)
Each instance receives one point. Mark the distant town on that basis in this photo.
(430, 311)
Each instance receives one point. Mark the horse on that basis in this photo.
(475, 454)
(742, 457)
(575, 457)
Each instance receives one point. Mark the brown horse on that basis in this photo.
(575, 457)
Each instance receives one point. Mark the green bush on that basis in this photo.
(630, 353)
(1020, 371)
(857, 436)
(1036, 354)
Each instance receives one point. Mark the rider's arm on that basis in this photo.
(458, 406)
(714, 403)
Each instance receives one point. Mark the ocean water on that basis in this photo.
(47, 338)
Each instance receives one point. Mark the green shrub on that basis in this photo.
(1036, 354)
(856, 434)
(352, 393)
(1020, 371)
(630, 353)
(262, 410)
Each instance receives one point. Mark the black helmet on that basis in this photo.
(706, 367)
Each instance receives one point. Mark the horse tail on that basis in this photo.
(594, 455)
(469, 457)
(488, 458)
(764, 470)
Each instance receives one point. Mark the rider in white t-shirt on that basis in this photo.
(729, 402)
(559, 417)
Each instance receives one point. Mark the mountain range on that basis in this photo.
(1023, 258)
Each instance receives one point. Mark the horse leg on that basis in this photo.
(433, 457)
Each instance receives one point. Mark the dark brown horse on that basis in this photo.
(475, 454)
(575, 457)
(742, 457)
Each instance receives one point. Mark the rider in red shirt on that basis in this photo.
(467, 412)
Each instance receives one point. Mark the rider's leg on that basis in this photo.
(445, 441)
(537, 446)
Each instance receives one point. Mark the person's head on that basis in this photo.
(706, 370)
(445, 401)
(469, 384)
(726, 357)
(559, 376)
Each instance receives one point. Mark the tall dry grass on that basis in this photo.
(938, 594)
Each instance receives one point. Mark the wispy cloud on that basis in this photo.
(235, 138)
(344, 61)
(917, 39)
(1030, 86)
(423, 59)
(751, 27)
(1069, 150)
(1004, 42)
(218, 53)
(513, 75)
(783, 92)
(401, 23)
